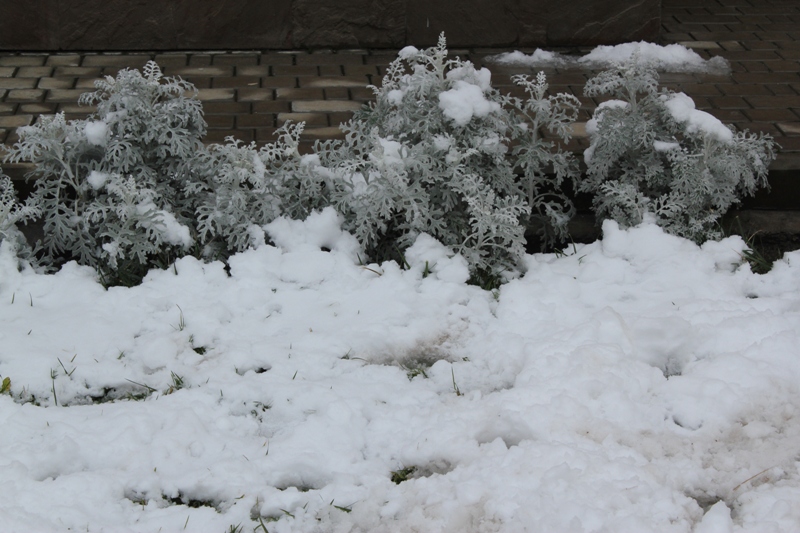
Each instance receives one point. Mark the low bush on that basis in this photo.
(653, 154)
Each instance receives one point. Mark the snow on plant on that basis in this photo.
(431, 156)
(111, 187)
(11, 213)
(241, 188)
(653, 154)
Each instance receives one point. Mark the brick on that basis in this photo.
(235, 59)
(116, 60)
(705, 89)
(331, 132)
(78, 72)
(330, 70)
(64, 95)
(24, 95)
(209, 95)
(275, 82)
(774, 101)
(56, 83)
(17, 83)
(754, 66)
(76, 110)
(728, 115)
(751, 55)
(265, 135)
(22, 61)
(324, 106)
(200, 71)
(311, 119)
(766, 78)
(175, 60)
(790, 55)
(254, 121)
(276, 58)
(762, 115)
(199, 60)
(783, 90)
(235, 81)
(704, 45)
(85, 84)
(337, 93)
(34, 72)
(356, 71)
(261, 71)
(38, 108)
(276, 106)
(64, 60)
(340, 81)
(220, 121)
(735, 89)
(15, 121)
(254, 94)
(329, 59)
(338, 118)
(789, 128)
(761, 45)
(299, 94)
(293, 70)
(756, 127)
(7, 72)
(7, 108)
(219, 136)
(783, 66)
(216, 108)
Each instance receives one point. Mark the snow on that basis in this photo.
(97, 179)
(682, 109)
(465, 101)
(96, 132)
(638, 383)
(669, 58)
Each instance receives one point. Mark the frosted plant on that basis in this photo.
(243, 188)
(111, 187)
(432, 155)
(12, 212)
(652, 152)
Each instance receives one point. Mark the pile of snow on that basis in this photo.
(638, 383)
(669, 58)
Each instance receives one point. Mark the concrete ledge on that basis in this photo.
(284, 24)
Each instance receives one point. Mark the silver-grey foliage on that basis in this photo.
(653, 154)
(111, 187)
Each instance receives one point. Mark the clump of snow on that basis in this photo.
(165, 223)
(669, 58)
(682, 109)
(96, 132)
(97, 179)
(621, 386)
(465, 101)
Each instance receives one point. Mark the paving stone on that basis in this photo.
(311, 119)
(219, 108)
(56, 83)
(299, 94)
(331, 132)
(64, 95)
(22, 61)
(295, 70)
(276, 106)
(121, 60)
(34, 72)
(789, 128)
(774, 101)
(202, 71)
(8, 108)
(7, 72)
(15, 121)
(176, 60)
(255, 121)
(261, 71)
(38, 108)
(337, 93)
(75, 109)
(254, 94)
(24, 95)
(17, 83)
(333, 81)
(772, 115)
(279, 82)
(705, 45)
(235, 59)
(235, 81)
(324, 106)
(78, 72)
(64, 60)
(208, 95)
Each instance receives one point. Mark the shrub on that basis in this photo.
(13, 213)
(111, 187)
(431, 155)
(240, 188)
(653, 153)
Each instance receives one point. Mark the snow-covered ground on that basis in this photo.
(639, 383)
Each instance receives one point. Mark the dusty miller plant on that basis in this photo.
(431, 155)
(12, 213)
(653, 154)
(240, 188)
(111, 187)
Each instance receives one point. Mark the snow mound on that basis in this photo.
(637, 383)
(669, 58)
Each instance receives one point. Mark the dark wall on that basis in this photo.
(285, 24)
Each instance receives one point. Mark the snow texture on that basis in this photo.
(628, 385)
(669, 58)
(682, 109)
